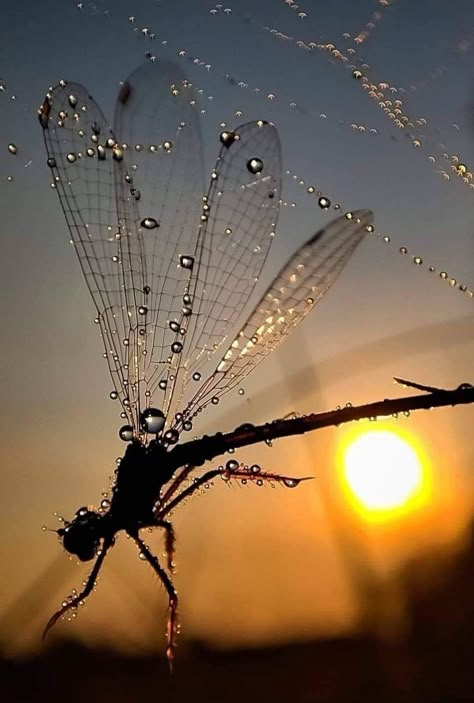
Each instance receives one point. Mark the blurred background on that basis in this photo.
(358, 585)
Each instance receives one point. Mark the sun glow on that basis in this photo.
(383, 474)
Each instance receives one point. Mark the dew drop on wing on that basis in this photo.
(126, 433)
(228, 138)
(176, 347)
(71, 157)
(172, 436)
(152, 420)
(232, 465)
(149, 223)
(187, 262)
(51, 162)
(72, 100)
(255, 165)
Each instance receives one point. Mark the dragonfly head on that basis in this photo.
(82, 535)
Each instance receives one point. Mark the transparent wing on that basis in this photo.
(294, 292)
(160, 203)
(81, 155)
(128, 253)
(237, 223)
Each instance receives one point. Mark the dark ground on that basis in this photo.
(432, 662)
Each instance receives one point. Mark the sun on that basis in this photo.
(383, 473)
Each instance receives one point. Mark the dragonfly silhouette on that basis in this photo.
(170, 271)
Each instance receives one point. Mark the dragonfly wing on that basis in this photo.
(80, 143)
(238, 223)
(294, 292)
(131, 198)
(158, 205)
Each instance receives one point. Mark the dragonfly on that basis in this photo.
(171, 266)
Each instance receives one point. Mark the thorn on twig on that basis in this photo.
(419, 386)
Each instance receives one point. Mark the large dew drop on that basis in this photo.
(152, 420)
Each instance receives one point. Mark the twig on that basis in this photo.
(209, 447)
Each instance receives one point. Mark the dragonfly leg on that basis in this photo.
(170, 540)
(90, 583)
(240, 474)
(172, 625)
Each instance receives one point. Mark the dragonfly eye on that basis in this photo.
(81, 536)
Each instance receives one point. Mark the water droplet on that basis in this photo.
(71, 157)
(142, 556)
(113, 395)
(228, 138)
(176, 347)
(417, 260)
(105, 504)
(215, 400)
(403, 250)
(187, 425)
(187, 311)
(152, 420)
(241, 391)
(142, 310)
(101, 153)
(167, 145)
(163, 384)
(255, 469)
(255, 165)
(149, 223)
(12, 148)
(126, 433)
(95, 128)
(72, 100)
(146, 290)
(196, 376)
(51, 162)
(117, 153)
(172, 436)
(291, 482)
(187, 262)
(232, 465)
(324, 203)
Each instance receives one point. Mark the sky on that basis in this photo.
(281, 556)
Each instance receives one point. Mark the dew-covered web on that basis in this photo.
(293, 293)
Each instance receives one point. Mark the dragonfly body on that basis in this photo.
(170, 271)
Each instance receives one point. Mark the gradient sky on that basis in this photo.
(253, 565)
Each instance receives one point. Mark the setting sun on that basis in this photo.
(383, 472)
